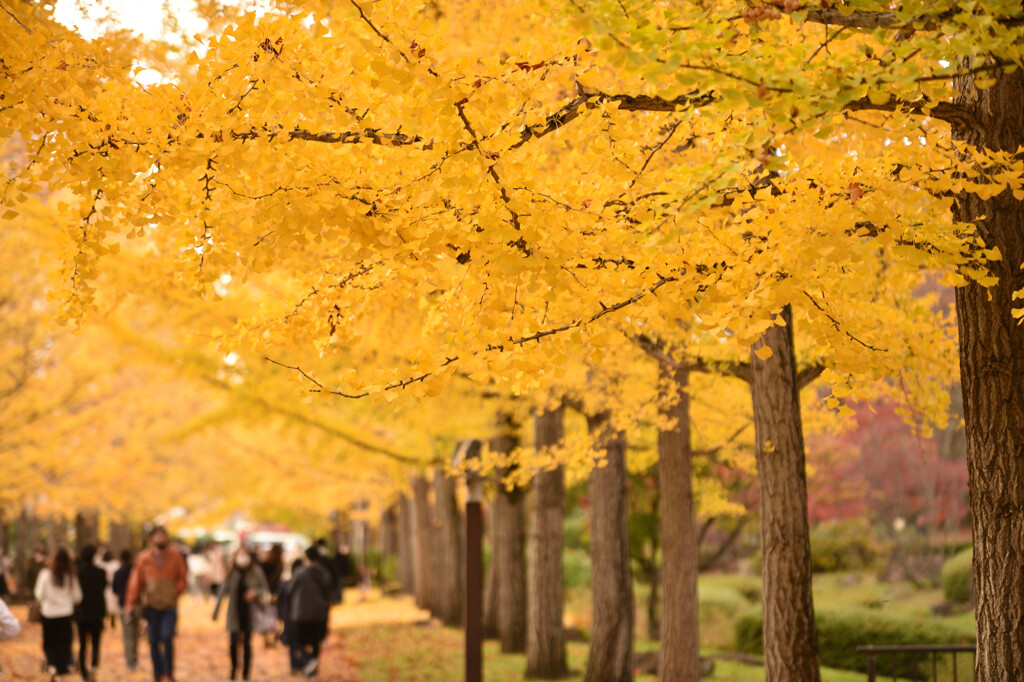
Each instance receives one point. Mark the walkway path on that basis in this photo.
(201, 653)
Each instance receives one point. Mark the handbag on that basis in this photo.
(34, 614)
(265, 618)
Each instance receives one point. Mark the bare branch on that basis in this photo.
(506, 346)
(806, 376)
(657, 351)
(838, 327)
(582, 322)
(370, 136)
(301, 418)
(872, 20)
(13, 16)
(708, 562)
(865, 20)
(943, 111)
(586, 101)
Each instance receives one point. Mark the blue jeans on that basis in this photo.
(161, 625)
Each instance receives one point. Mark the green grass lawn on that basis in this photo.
(400, 652)
(413, 653)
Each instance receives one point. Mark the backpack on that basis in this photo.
(160, 594)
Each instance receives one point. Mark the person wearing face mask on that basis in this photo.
(246, 590)
(157, 580)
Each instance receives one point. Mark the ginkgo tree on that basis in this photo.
(520, 197)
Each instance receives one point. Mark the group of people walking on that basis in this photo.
(70, 595)
(255, 595)
(302, 603)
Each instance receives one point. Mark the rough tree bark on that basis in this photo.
(992, 376)
(57, 535)
(86, 529)
(27, 537)
(448, 549)
(406, 556)
(120, 537)
(680, 633)
(508, 522)
(340, 528)
(790, 637)
(611, 639)
(423, 535)
(545, 635)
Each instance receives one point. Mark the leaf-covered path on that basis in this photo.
(201, 653)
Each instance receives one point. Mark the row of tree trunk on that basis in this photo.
(529, 563)
(27, 534)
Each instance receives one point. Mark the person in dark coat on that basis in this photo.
(284, 614)
(323, 556)
(129, 620)
(341, 567)
(310, 596)
(92, 610)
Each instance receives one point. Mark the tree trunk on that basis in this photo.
(611, 639)
(120, 537)
(28, 534)
(58, 533)
(406, 555)
(423, 538)
(339, 528)
(509, 549)
(680, 629)
(790, 637)
(449, 550)
(992, 376)
(87, 530)
(545, 635)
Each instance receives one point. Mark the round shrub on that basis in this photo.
(843, 546)
(956, 578)
(842, 630)
(576, 569)
(750, 631)
(720, 599)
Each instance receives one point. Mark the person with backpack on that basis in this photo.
(310, 603)
(246, 591)
(156, 582)
(57, 591)
(91, 611)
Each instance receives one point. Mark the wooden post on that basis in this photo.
(474, 567)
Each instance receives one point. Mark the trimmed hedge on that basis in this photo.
(842, 630)
(956, 578)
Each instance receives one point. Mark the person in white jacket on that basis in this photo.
(9, 626)
(57, 591)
